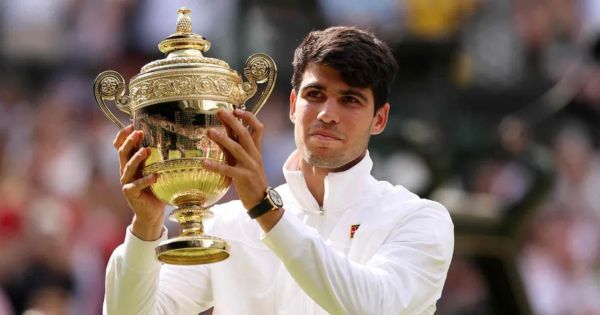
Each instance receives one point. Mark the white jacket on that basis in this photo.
(395, 263)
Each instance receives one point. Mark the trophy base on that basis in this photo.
(192, 250)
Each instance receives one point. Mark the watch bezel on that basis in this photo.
(274, 197)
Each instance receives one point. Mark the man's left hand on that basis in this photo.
(243, 145)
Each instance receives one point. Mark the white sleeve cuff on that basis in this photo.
(288, 237)
(140, 255)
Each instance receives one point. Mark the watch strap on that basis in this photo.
(264, 206)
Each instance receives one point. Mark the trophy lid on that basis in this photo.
(185, 74)
(187, 77)
(183, 48)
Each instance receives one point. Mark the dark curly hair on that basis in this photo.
(362, 59)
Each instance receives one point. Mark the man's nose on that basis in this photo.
(328, 112)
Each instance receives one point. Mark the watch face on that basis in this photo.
(274, 196)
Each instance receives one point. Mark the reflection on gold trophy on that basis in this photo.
(174, 101)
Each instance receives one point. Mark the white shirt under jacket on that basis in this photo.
(396, 263)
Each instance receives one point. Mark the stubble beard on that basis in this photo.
(330, 159)
(327, 161)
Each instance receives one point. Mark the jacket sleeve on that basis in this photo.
(404, 276)
(137, 283)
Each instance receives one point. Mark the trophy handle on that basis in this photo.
(259, 68)
(110, 85)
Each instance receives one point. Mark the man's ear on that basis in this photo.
(380, 119)
(293, 105)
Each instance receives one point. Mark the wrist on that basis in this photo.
(257, 197)
(270, 219)
(146, 230)
(271, 201)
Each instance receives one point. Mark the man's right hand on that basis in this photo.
(149, 211)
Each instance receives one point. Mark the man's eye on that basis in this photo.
(314, 94)
(349, 99)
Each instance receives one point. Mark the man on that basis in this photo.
(341, 243)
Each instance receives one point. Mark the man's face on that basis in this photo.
(332, 120)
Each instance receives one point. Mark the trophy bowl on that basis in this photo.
(174, 102)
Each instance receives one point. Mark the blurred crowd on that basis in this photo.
(491, 94)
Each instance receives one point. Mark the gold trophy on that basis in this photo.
(174, 101)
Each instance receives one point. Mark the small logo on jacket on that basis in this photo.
(353, 229)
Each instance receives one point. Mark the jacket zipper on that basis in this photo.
(320, 219)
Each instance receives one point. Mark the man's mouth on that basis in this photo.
(325, 135)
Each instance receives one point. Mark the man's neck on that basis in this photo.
(315, 180)
(315, 176)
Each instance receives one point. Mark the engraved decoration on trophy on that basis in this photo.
(174, 101)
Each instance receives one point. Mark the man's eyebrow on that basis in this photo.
(355, 93)
(314, 85)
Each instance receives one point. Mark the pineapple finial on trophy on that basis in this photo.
(184, 38)
(184, 23)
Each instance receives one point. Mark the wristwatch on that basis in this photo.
(271, 201)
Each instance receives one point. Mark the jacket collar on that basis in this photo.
(342, 189)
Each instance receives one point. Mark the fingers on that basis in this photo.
(135, 188)
(257, 127)
(240, 132)
(122, 135)
(127, 148)
(133, 165)
(230, 146)
(220, 168)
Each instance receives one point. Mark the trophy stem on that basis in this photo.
(190, 219)
(192, 228)
(192, 246)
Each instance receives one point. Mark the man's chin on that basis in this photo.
(328, 160)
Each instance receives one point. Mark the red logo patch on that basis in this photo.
(353, 229)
